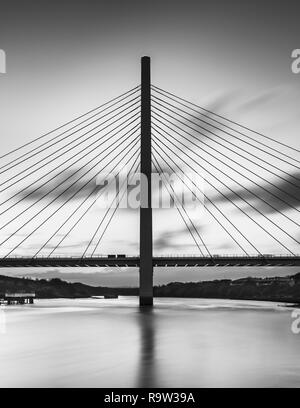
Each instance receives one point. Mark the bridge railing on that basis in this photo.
(227, 256)
(183, 256)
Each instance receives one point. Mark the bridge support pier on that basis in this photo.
(146, 261)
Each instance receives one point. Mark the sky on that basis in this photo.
(67, 57)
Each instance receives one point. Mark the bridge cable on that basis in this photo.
(77, 222)
(66, 168)
(227, 141)
(178, 127)
(221, 130)
(228, 148)
(107, 212)
(67, 136)
(232, 200)
(157, 89)
(49, 217)
(72, 196)
(134, 117)
(227, 175)
(190, 220)
(186, 224)
(207, 198)
(234, 161)
(85, 212)
(240, 197)
(135, 89)
(79, 137)
(66, 179)
(107, 225)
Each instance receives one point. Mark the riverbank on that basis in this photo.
(275, 289)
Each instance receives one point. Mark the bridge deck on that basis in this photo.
(162, 261)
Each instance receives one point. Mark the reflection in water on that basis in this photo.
(2, 320)
(180, 343)
(146, 370)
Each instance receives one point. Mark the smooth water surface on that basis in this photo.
(180, 343)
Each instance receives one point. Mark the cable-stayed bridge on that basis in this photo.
(48, 187)
(158, 261)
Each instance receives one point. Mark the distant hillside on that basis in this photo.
(56, 288)
(274, 289)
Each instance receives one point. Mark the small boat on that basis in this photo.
(110, 296)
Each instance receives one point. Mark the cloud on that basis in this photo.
(285, 187)
(166, 239)
(191, 115)
(60, 183)
(262, 99)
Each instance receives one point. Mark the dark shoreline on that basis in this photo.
(284, 303)
(283, 290)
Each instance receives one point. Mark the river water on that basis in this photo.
(180, 343)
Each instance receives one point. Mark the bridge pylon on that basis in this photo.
(146, 235)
